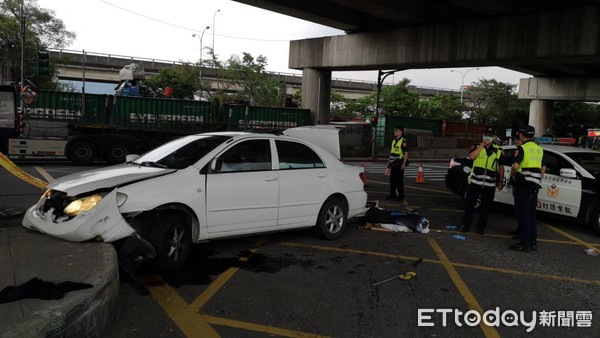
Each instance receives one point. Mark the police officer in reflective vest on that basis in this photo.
(482, 181)
(526, 176)
(397, 163)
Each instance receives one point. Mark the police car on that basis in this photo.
(570, 187)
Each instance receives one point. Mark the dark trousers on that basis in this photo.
(487, 198)
(525, 205)
(397, 181)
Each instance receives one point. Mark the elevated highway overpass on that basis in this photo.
(99, 67)
(555, 41)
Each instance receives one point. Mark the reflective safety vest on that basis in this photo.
(396, 151)
(531, 166)
(485, 168)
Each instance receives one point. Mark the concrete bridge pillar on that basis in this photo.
(316, 93)
(540, 115)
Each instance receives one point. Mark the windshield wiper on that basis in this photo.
(153, 164)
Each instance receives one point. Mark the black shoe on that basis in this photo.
(516, 237)
(480, 232)
(521, 247)
(534, 246)
(465, 228)
(391, 197)
(400, 198)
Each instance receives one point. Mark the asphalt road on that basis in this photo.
(295, 284)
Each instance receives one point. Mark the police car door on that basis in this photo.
(559, 195)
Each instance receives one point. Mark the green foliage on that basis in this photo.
(442, 107)
(397, 100)
(257, 87)
(42, 30)
(574, 117)
(183, 79)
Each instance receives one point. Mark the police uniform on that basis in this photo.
(397, 152)
(482, 182)
(526, 184)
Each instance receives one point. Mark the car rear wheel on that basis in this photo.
(171, 237)
(332, 219)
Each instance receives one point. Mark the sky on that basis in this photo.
(163, 30)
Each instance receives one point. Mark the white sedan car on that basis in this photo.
(204, 187)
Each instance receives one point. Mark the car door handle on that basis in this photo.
(270, 178)
(322, 175)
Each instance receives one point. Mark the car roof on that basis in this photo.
(559, 148)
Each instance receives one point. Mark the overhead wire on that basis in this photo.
(187, 28)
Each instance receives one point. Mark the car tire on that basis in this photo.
(332, 219)
(82, 152)
(116, 152)
(171, 236)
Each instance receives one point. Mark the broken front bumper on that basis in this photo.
(104, 220)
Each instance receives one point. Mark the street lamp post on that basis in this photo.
(462, 89)
(201, 36)
(214, 31)
(381, 75)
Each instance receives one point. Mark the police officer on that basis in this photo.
(526, 176)
(397, 163)
(482, 181)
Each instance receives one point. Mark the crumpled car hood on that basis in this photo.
(108, 177)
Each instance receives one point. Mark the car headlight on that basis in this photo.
(83, 204)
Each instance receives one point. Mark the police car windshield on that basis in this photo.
(589, 161)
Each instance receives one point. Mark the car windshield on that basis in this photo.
(182, 152)
(589, 161)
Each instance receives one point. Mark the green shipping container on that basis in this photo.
(266, 118)
(156, 114)
(61, 106)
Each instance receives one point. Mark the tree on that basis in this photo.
(257, 87)
(441, 107)
(183, 79)
(398, 100)
(42, 30)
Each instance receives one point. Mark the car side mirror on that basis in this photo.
(568, 173)
(131, 157)
(215, 164)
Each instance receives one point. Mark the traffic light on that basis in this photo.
(43, 63)
(374, 120)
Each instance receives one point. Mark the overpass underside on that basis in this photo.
(559, 48)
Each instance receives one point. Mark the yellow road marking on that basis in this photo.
(258, 327)
(195, 324)
(557, 241)
(571, 237)
(215, 286)
(434, 261)
(489, 331)
(44, 174)
(177, 309)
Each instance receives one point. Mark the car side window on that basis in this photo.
(554, 163)
(294, 155)
(253, 155)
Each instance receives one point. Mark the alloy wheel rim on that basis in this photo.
(334, 219)
(175, 243)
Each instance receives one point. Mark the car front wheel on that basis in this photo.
(332, 219)
(172, 239)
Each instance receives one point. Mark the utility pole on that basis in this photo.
(380, 78)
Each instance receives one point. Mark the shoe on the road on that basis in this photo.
(465, 228)
(521, 247)
(534, 245)
(480, 232)
(391, 198)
